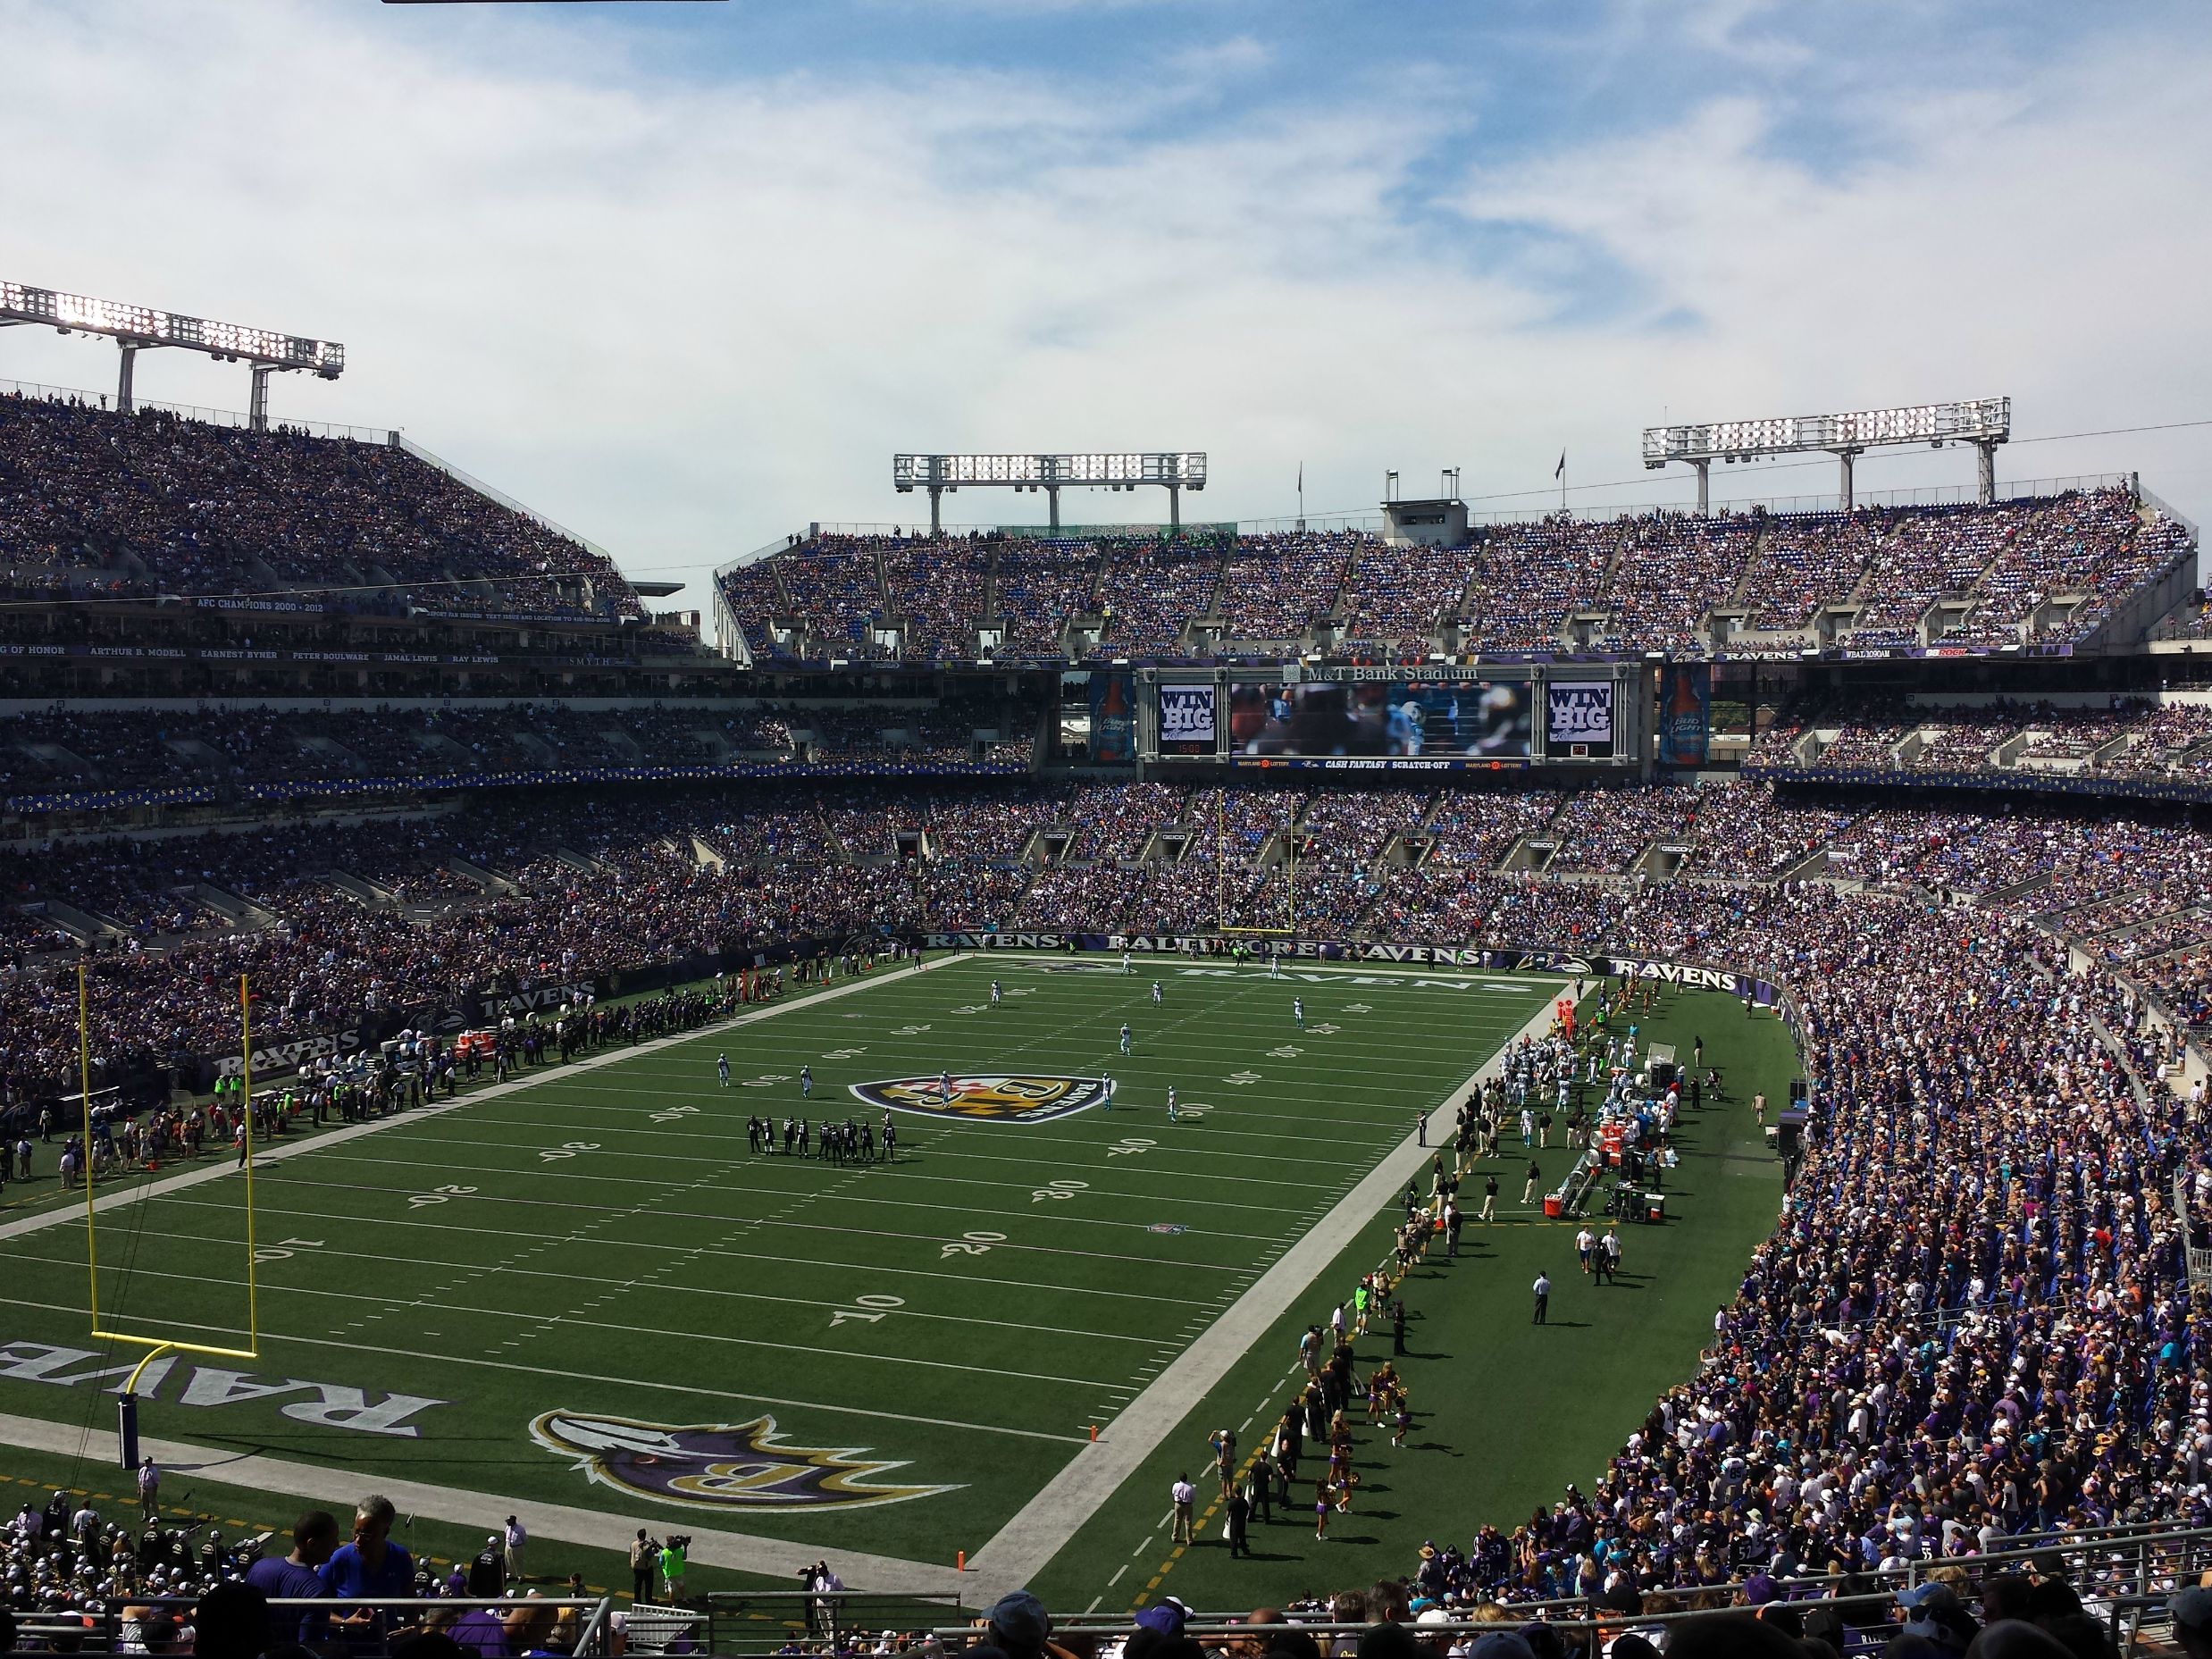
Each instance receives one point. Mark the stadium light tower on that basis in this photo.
(135, 328)
(1175, 471)
(1985, 423)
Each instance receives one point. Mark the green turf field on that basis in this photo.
(600, 1254)
(587, 1291)
(1506, 1413)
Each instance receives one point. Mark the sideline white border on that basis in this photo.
(1048, 1521)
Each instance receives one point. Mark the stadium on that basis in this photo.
(1445, 1079)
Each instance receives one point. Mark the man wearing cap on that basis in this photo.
(1167, 1617)
(1020, 1625)
(1934, 1613)
(2193, 1622)
(487, 1572)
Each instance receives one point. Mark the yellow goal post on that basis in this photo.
(157, 1346)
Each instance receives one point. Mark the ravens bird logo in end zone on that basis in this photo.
(991, 1095)
(746, 1466)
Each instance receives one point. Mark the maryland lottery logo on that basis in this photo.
(994, 1095)
(727, 1466)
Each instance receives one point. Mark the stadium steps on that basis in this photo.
(1664, 858)
(1530, 853)
(67, 762)
(361, 889)
(333, 754)
(1404, 849)
(1810, 867)
(241, 912)
(1521, 854)
(1459, 610)
(714, 747)
(86, 927)
(583, 864)
(1997, 896)
(489, 880)
(454, 581)
(263, 575)
(457, 756)
(203, 759)
(1623, 546)
(707, 857)
(1736, 600)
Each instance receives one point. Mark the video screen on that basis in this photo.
(1186, 719)
(1578, 720)
(1459, 719)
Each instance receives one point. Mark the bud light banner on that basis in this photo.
(1577, 720)
(1113, 719)
(1186, 719)
(1685, 714)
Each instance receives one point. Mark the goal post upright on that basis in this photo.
(127, 1399)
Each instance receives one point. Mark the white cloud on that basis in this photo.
(1236, 56)
(685, 317)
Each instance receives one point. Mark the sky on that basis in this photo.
(683, 276)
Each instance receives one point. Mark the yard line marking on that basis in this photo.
(1056, 1213)
(952, 1140)
(599, 1178)
(690, 1215)
(616, 1382)
(386, 1257)
(117, 1198)
(1049, 1520)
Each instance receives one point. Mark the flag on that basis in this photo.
(1561, 470)
(1302, 478)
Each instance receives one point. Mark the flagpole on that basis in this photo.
(1301, 497)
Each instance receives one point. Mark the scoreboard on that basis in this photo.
(1397, 719)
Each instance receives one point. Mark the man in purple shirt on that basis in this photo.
(372, 1566)
(296, 1576)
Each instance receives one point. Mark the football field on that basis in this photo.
(585, 1291)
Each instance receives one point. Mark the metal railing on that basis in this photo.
(590, 1631)
(749, 1622)
(2123, 1574)
(201, 413)
(1941, 495)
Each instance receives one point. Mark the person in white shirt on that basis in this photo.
(518, 1538)
(1183, 1495)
